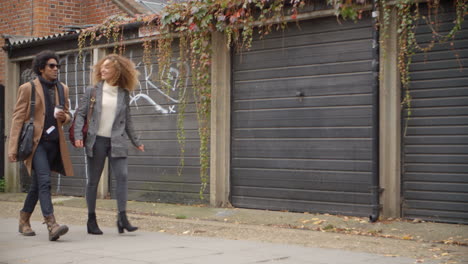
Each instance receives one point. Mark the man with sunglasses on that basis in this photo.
(50, 152)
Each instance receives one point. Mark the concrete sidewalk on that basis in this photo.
(151, 247)
(324, 236)
(454, 234)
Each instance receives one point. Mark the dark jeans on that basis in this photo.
(45, 154)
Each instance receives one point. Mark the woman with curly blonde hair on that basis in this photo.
(114, 78)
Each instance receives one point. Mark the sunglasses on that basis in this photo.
(53, 65)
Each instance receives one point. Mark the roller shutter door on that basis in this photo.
(435, 171)
(76, 74)
(302, 119)
(153, 174)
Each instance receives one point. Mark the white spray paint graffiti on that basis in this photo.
(27, 75)
(143, 94)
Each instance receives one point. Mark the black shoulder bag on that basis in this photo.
(25, 142)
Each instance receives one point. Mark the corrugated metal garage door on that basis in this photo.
(76, 74)
(435, 175)
(153, 174)
(302, 119)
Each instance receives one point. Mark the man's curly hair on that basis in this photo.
(40, 61)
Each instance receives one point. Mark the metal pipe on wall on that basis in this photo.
(375, 184)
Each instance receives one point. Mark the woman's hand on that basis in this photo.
(141, 148)
(79, 143)
(12, 157)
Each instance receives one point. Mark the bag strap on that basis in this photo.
(61, 93)
(33, 102)
(92, 100)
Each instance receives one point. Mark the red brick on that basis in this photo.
(15, 18)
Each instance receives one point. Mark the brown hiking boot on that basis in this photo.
(24, 225)
(55, 230)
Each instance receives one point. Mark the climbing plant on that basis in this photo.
(408, 12)
(193, 22)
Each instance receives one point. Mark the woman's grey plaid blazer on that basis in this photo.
(122, 123)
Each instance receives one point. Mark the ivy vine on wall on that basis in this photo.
(192, 22)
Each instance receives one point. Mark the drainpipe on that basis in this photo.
(375, 185)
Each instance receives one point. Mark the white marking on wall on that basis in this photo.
(147, 84)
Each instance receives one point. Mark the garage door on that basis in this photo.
(302, 119)
(153, 174)
(76, 74)
(435, 171)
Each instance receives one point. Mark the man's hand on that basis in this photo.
(61, 116)
(12, 157)
(141, 148)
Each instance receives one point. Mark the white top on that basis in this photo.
(108, 111)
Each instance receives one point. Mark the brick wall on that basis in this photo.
(15, 17)
(99, 10)
(51, 15)
(3, 59)
(46, 17)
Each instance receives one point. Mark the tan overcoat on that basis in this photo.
(21, 116)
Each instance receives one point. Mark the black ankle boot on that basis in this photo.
(122, 223)
(92, 225)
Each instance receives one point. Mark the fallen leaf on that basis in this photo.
(407, 237)
(186, 232)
